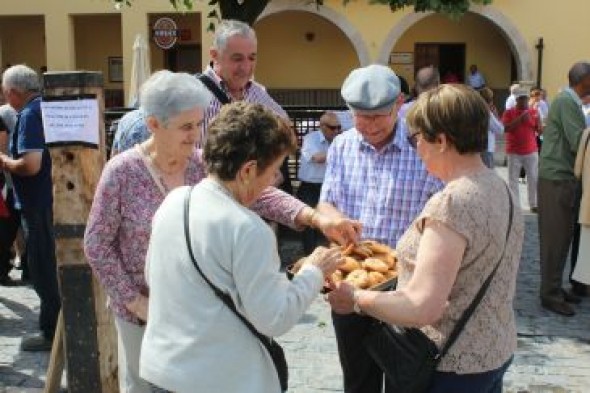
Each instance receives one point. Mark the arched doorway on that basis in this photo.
(339, 20)
(494, 29)
(303, 58)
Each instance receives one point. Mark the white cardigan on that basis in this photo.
(193, 342)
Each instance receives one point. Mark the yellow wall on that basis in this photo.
(286, 59)
(484, 45)
(92, 53)
(563, 26)
(23, 45)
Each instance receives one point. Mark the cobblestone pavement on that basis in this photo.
(553, 353)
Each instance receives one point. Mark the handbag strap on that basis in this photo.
(266, 341)
(480, 294)
(213, 88)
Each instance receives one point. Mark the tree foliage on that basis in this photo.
(249, 10)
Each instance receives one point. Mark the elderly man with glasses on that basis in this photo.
(312, 167)
(373, 175)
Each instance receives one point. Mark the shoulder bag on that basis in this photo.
(213, 88)
(274, 349)
(407, 356)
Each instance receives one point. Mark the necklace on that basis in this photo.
(161, 178)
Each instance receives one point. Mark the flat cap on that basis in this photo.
(371, 89)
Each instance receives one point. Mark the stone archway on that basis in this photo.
(513, 37)
(334, 17)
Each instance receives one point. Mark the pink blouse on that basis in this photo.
(119, 224)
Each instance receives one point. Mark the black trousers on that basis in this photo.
(309, 193)
(8, 229)
(361, 373)
(40, 240)
(558, 202)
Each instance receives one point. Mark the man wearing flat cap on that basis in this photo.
(373, 175)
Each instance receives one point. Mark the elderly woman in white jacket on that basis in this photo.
(193, 341)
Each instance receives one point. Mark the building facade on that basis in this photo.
(303, 47)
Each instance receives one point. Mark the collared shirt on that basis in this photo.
(35, 191)
(253, 92)
(476, 80)
(385, 190)
(495, 128)
(132, 129)
(310, 171)
(561, 136)
(521, 137)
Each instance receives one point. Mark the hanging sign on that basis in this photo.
(71, 120)
(165, 33)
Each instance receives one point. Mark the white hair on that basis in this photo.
(228, 29)
(166, 94)
(21, 78)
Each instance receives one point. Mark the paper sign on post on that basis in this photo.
(71, 121)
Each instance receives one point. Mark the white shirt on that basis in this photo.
(495, 128)
(476, 80)
(510, 102)
(193, 342)
(310, 171)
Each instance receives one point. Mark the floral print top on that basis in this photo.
(119, 224)
(476, 207)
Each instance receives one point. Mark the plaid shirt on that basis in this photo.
(253, 92)
(384, 190)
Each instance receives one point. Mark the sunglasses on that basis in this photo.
(333, 128)
(413, 139)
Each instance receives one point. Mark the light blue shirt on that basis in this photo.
(310, 171)
(132, 129)
(495, 128)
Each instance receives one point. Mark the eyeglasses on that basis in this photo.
(413, 139)
(333, 128)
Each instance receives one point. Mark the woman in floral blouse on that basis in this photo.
(133, 185)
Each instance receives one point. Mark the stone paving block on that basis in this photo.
(553, 354)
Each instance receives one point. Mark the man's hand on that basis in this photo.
(342, 230)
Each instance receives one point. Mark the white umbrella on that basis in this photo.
(140, 69)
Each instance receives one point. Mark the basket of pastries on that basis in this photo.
(367, 265)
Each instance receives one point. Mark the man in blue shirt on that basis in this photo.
(30, 166)
(312, 167)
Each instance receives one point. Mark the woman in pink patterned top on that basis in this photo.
(132, 187)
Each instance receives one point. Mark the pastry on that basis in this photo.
(375, 265)
(349, 265)
(358, 278)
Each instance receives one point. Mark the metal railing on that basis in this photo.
(305, 119)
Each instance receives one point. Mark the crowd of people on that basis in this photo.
(178, 239)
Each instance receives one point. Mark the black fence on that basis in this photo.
(305, 119)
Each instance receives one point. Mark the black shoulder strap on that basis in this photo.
(220, 294)
(213, 88)
(480, 294)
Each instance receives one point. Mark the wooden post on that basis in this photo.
(89, 336)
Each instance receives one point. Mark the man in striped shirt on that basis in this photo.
(374, 176)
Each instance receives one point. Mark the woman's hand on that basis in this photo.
(139, 307)
(326, 259)
(341, 298)
(342, 230)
